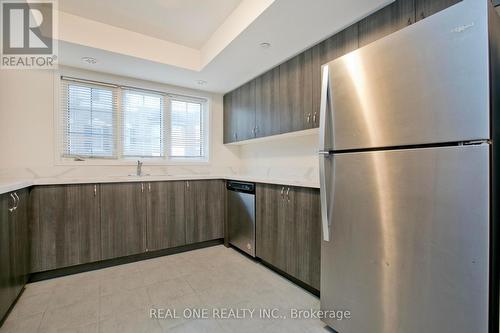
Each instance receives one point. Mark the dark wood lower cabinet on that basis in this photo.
(14, 247)
(66, 226)
(271, 229)
(20, 246)
(204, 210)
(123, 219)
(165, 220)
(288, 230)
(6, 292)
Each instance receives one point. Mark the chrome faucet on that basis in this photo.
(139, 168)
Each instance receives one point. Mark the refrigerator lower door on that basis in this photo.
(408, 249)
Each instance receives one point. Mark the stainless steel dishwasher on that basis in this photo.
(241, 215)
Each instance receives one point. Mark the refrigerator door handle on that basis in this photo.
(324, 158)
(323, 145)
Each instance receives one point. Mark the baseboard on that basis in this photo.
(45, 275)
(2, 320)
(298, 282)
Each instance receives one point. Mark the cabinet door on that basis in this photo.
(267, 116)
(204, 210)
(296, 93)
(426, 8)
(165, 223)
(387, 20)
(67, 223)
(123, 219)
(328, 50)
(230, 127)
(304, 232)
(244, 107)
(271, 233)
(19, 242)
(6, 290)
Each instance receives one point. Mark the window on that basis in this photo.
(88, 120)
(142, 124)
(187, 139)
(95, 125)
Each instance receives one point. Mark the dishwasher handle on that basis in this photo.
(241, 187)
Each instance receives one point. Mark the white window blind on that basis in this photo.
(187, 129)
(107, 121)
(143, 124)
(88, 120)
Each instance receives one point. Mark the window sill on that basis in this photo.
(131, 161)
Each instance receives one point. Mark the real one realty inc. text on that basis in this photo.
(247, 313)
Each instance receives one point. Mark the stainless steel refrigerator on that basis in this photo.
(408, 192)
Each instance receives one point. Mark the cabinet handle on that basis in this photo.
(13, 207)
(142, 187)
(308, 118)
(149, 187)
(235, 136)
(314, 117)
(282, 192)
(288, 194)
(95, 190)
(187, 184)
(17, 198)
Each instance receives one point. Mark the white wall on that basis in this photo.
(27, 133)
(27, 136)
(293, 157)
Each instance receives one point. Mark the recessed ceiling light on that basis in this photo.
(89, 60)
(202, 82)
(265, 45)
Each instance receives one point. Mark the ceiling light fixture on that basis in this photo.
(89, 60)
(265, 45)
(202, 82)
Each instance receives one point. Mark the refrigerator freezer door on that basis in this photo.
(427, 83)
(409, 242)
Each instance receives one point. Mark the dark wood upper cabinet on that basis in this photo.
(245, 111)
(239, 113)
(204, 211)
(387, 20)
(299, 78)
(295, 100)
(426, 8)
(229, 118)
(165, 220)
(267, 93)
(123, 219)
(326, 51)
(65, 226)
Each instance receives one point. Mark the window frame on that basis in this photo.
(119, 159)
(205, 123)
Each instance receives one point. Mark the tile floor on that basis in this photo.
(119, 299)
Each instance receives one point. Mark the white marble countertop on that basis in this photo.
(9, 185)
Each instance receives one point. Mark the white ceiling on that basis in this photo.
(233, 55)
(186, 22)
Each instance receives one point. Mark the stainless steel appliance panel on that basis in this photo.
(241, 221)
(409, 241)
(427, 83)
